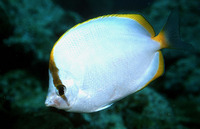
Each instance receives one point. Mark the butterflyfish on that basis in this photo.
(105, 59)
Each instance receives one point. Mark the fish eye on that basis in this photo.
(61, 90)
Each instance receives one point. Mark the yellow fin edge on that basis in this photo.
(137, 17)
(161, 38)
(141, 20)
(159, 72)
(160, 67)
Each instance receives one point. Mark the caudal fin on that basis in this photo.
(169, 36)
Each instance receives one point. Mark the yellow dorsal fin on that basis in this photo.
(141, 20)
(137, 17)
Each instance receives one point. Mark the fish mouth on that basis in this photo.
(57, 102)
(49, 103)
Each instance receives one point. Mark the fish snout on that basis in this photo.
(51, 103)
(57, 102)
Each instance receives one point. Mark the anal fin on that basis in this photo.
(159, 71)
(103, 107)
(161, 66)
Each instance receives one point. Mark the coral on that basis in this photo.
(22, 91)
(105, 119)
(87, 8)
(37, 24)
(185, 70)
(42, 120)
(147, 109)
(189, 112)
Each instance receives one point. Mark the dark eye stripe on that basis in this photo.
(61, 90)
(54, 70)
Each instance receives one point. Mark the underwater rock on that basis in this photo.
(37, 24)
(105, 120)
(189, 112)
(87, 8)
(21, 91)
(42, 120)
(185, 80)
(147, 109)
(5, 25)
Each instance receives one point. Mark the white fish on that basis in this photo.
(106, 59)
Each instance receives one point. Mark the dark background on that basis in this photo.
(28, 30)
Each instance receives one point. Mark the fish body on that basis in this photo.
(103, 60)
